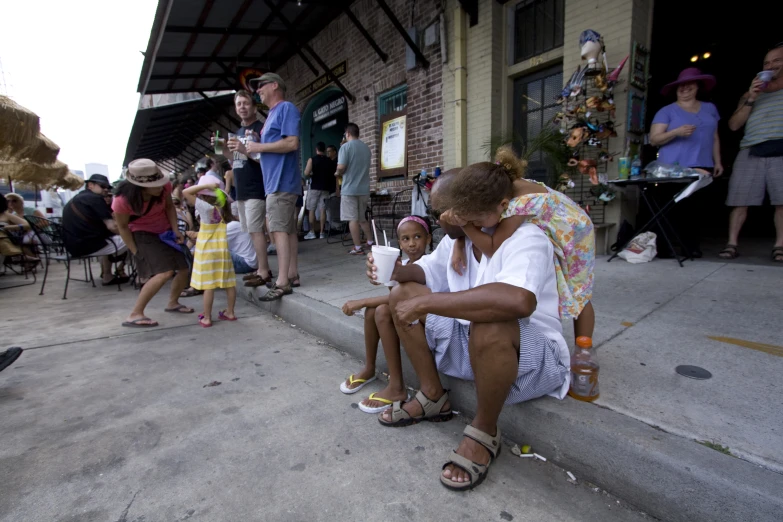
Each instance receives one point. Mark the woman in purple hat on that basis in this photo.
(687, 133)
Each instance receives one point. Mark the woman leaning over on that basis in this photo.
(144, 212)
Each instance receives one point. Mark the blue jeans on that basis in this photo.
(240, 266)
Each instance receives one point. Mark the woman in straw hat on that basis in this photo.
(145, 214)
(687, 133)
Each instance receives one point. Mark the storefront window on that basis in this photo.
(538, 27)
(535, 105)
(394, 100)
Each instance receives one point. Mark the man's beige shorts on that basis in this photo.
(281, 212)
(354, 208)
(252, 214)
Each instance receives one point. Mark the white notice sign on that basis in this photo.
(393, 144)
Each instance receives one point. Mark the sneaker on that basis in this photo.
(310, 235)
(324, 236)
(271, 250)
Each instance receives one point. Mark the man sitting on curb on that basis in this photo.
(497, 324)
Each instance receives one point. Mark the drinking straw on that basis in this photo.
(375, 232)
(386, 241)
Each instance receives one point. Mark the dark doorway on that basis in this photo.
(736, 38)
(535, 105)
(324, 119)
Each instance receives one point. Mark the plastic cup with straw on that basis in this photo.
(384, 258)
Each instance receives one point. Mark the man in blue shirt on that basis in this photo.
(279, 150)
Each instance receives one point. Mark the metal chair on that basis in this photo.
(51, 237)
(17, 260)
(333, 219)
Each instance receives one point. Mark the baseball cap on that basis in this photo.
(268, 78)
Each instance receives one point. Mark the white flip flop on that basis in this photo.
(350, 391)
(379, 409)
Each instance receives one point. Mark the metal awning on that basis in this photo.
(200, 46)
(177, 135)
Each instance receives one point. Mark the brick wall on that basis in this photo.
(368, 77)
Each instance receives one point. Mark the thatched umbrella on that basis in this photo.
(45, 175)
(39, 150)
(71, 182)
(18, 126)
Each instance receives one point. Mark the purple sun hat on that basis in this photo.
(691, 74)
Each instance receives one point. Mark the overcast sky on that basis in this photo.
(76, 64)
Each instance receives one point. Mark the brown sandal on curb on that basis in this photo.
(276, 292)
(777, 255)
(478, 472)
(431, 412)
(730, 252)
(255, 282)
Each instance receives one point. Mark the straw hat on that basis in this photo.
(691, 74)
(145, 173)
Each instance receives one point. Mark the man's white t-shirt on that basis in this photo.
(239, 243)
(440, 276)
(524, 260)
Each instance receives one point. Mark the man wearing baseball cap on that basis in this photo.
(90, 229)
(279, 150)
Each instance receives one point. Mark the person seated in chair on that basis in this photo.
(90, 230)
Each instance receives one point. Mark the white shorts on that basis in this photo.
(539, 373)
(114, 245)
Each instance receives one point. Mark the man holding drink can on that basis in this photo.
(758, 168)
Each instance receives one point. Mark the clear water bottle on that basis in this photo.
(636, 167)
(584, 371)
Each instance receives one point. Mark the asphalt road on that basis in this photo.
(242, 421)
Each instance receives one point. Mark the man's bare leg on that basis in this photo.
(356, 233)
(365, 226)
(778, 228)
(311, 217)
(259, 245)
(293, 257)
(415, 343)
(106, 269)
(283, 257)
(323, 219)
(494, 356)
(736, 220)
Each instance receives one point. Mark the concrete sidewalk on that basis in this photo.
(650, 319)
(239, 422)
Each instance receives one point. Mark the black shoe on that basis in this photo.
(9, 356)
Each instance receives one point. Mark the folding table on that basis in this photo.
(695, 182)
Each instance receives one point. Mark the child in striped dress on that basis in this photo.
(212, 265)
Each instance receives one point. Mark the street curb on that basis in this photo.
(664, 475)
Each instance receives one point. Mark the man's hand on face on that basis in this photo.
(451, 218)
